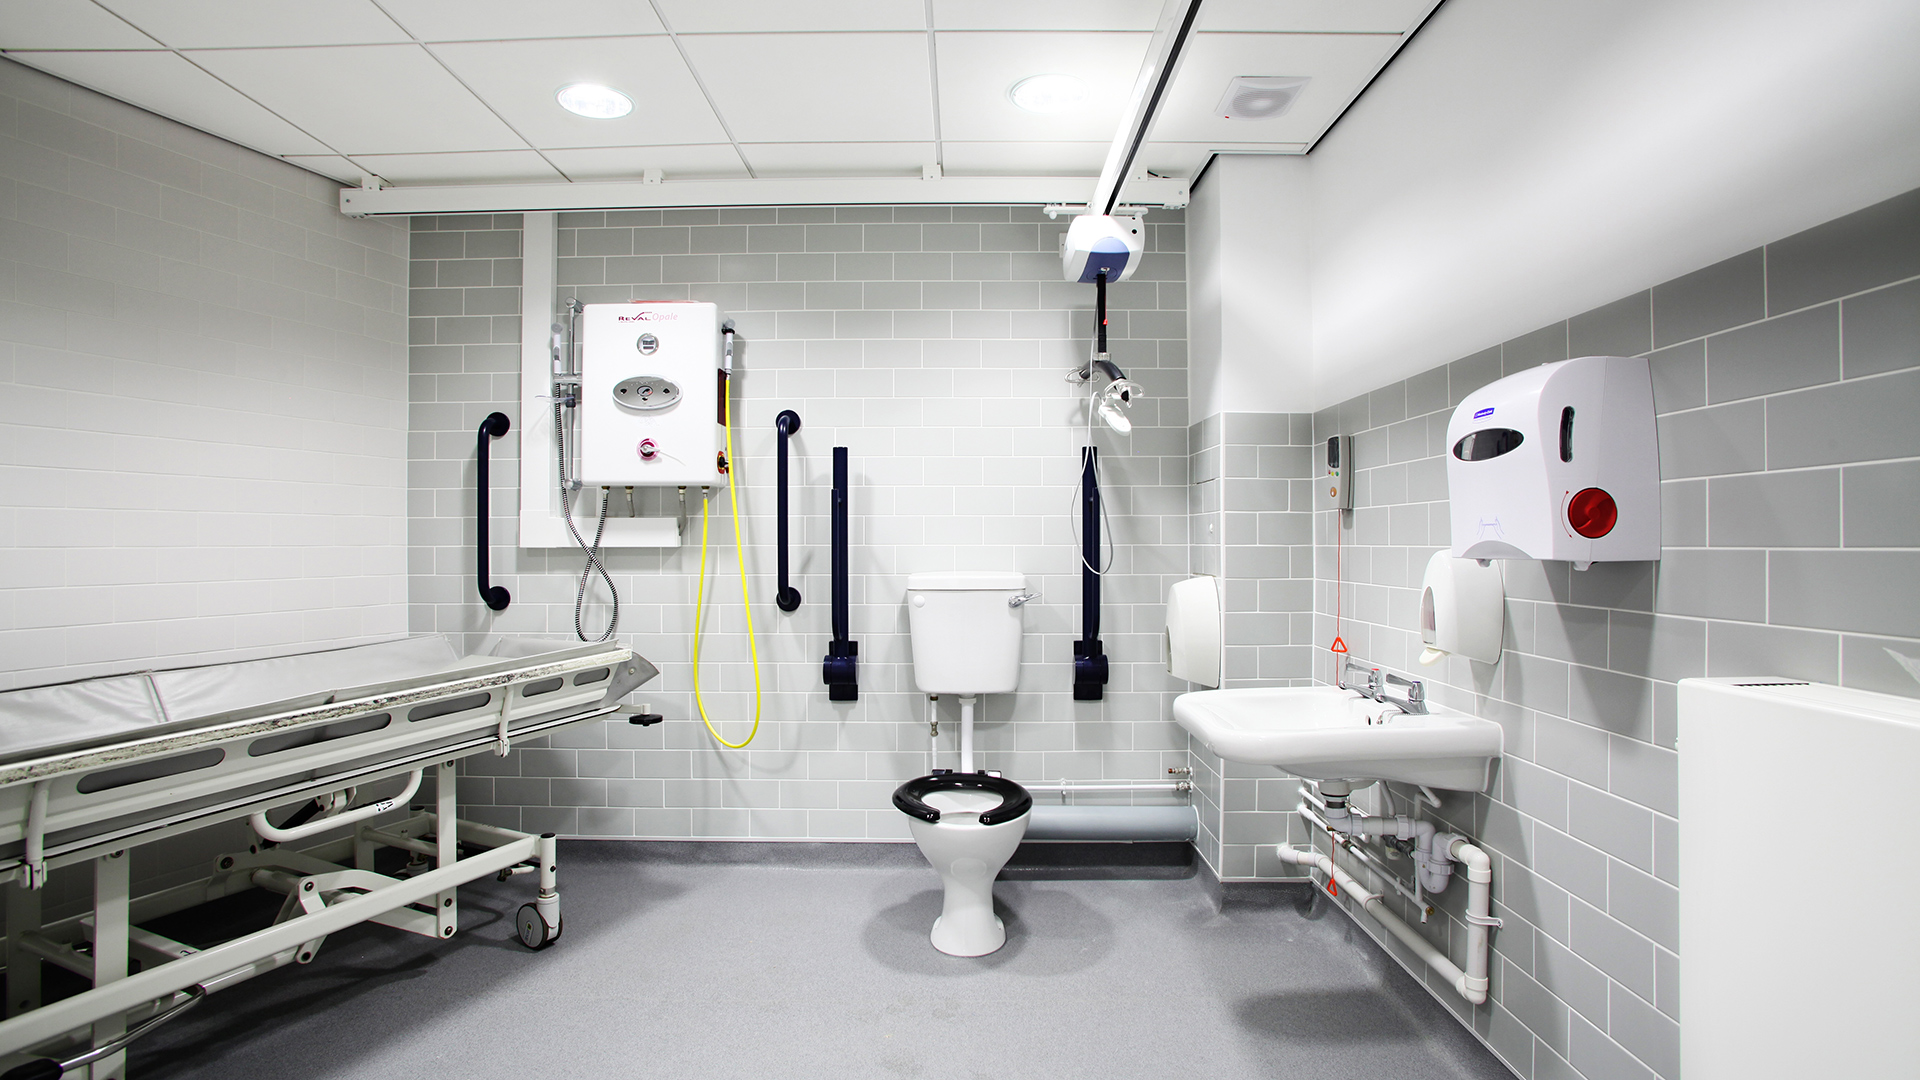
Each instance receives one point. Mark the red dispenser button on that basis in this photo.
(1592, 513)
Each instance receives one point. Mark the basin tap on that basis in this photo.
(1414, 704)
(1372, 689)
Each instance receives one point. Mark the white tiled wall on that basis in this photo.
(202, 396)
(1786, 381)
(931, 341)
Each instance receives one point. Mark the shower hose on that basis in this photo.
(746, 601)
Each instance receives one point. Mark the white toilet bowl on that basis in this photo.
(965, 853)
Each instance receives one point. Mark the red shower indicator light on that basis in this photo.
(1592, 513)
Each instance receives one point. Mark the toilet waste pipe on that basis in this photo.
(1136, 823)
(840, 669)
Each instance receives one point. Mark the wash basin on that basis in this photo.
(1326, 733)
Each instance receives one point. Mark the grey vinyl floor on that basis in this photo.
(676, 967)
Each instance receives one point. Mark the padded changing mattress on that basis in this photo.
(45, 721)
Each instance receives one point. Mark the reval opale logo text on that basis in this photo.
(650, 316)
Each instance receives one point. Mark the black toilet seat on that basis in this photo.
(910, 797)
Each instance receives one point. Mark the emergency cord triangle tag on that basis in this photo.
(1339, 645)
(1332, 889)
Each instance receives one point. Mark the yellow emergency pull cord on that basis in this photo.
(700, 592)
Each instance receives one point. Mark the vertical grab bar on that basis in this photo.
(1089, 660)
(494, 426)
(785, 425)
(840, 669)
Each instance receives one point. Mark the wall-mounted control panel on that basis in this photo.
(1336, 481)
(649, 394)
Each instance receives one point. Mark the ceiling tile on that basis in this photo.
(365, 99)
(66, 24)
(709, 162)
(977, 70)
(483, 167)
(163, 83)
(757, 16)
(1052, 15)
(1024, 158)
(1338, 64)
(817, 87)
(1315, 16)
(329, 165)
(493, 20)
(220, 24)
(839, 158)
(519, 79)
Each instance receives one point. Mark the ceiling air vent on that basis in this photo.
(1260, 97)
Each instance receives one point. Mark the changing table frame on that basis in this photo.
(270, 757)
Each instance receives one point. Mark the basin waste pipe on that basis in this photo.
(740, 557)
(1442, 849)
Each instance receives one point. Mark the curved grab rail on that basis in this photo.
(494, 426)
(266, 831)
(785, 425)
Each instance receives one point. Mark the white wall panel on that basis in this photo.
(203, 398)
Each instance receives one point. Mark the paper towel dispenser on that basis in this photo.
(1557, 462)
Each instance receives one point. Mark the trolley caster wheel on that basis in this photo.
(534, 931)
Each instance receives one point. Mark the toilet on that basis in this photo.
(965, 627)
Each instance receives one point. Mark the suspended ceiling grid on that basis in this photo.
(420, 92)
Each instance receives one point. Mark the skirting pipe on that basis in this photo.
(1112, 823)
(1471, 986)
(1099, 787)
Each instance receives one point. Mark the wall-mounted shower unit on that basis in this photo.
(650, 410)
(1558, 462)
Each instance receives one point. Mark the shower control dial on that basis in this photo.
(645, 392)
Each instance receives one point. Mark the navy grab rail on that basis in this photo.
(840, 669)
(1089, 659)
(494, 426)
(785, 425)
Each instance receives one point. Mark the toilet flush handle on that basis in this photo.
(1016, 601)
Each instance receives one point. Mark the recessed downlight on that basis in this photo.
(1048, 93)
(593, 101)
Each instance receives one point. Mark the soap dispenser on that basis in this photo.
(1462, 610)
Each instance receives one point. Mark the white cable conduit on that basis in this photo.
(267, 831)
